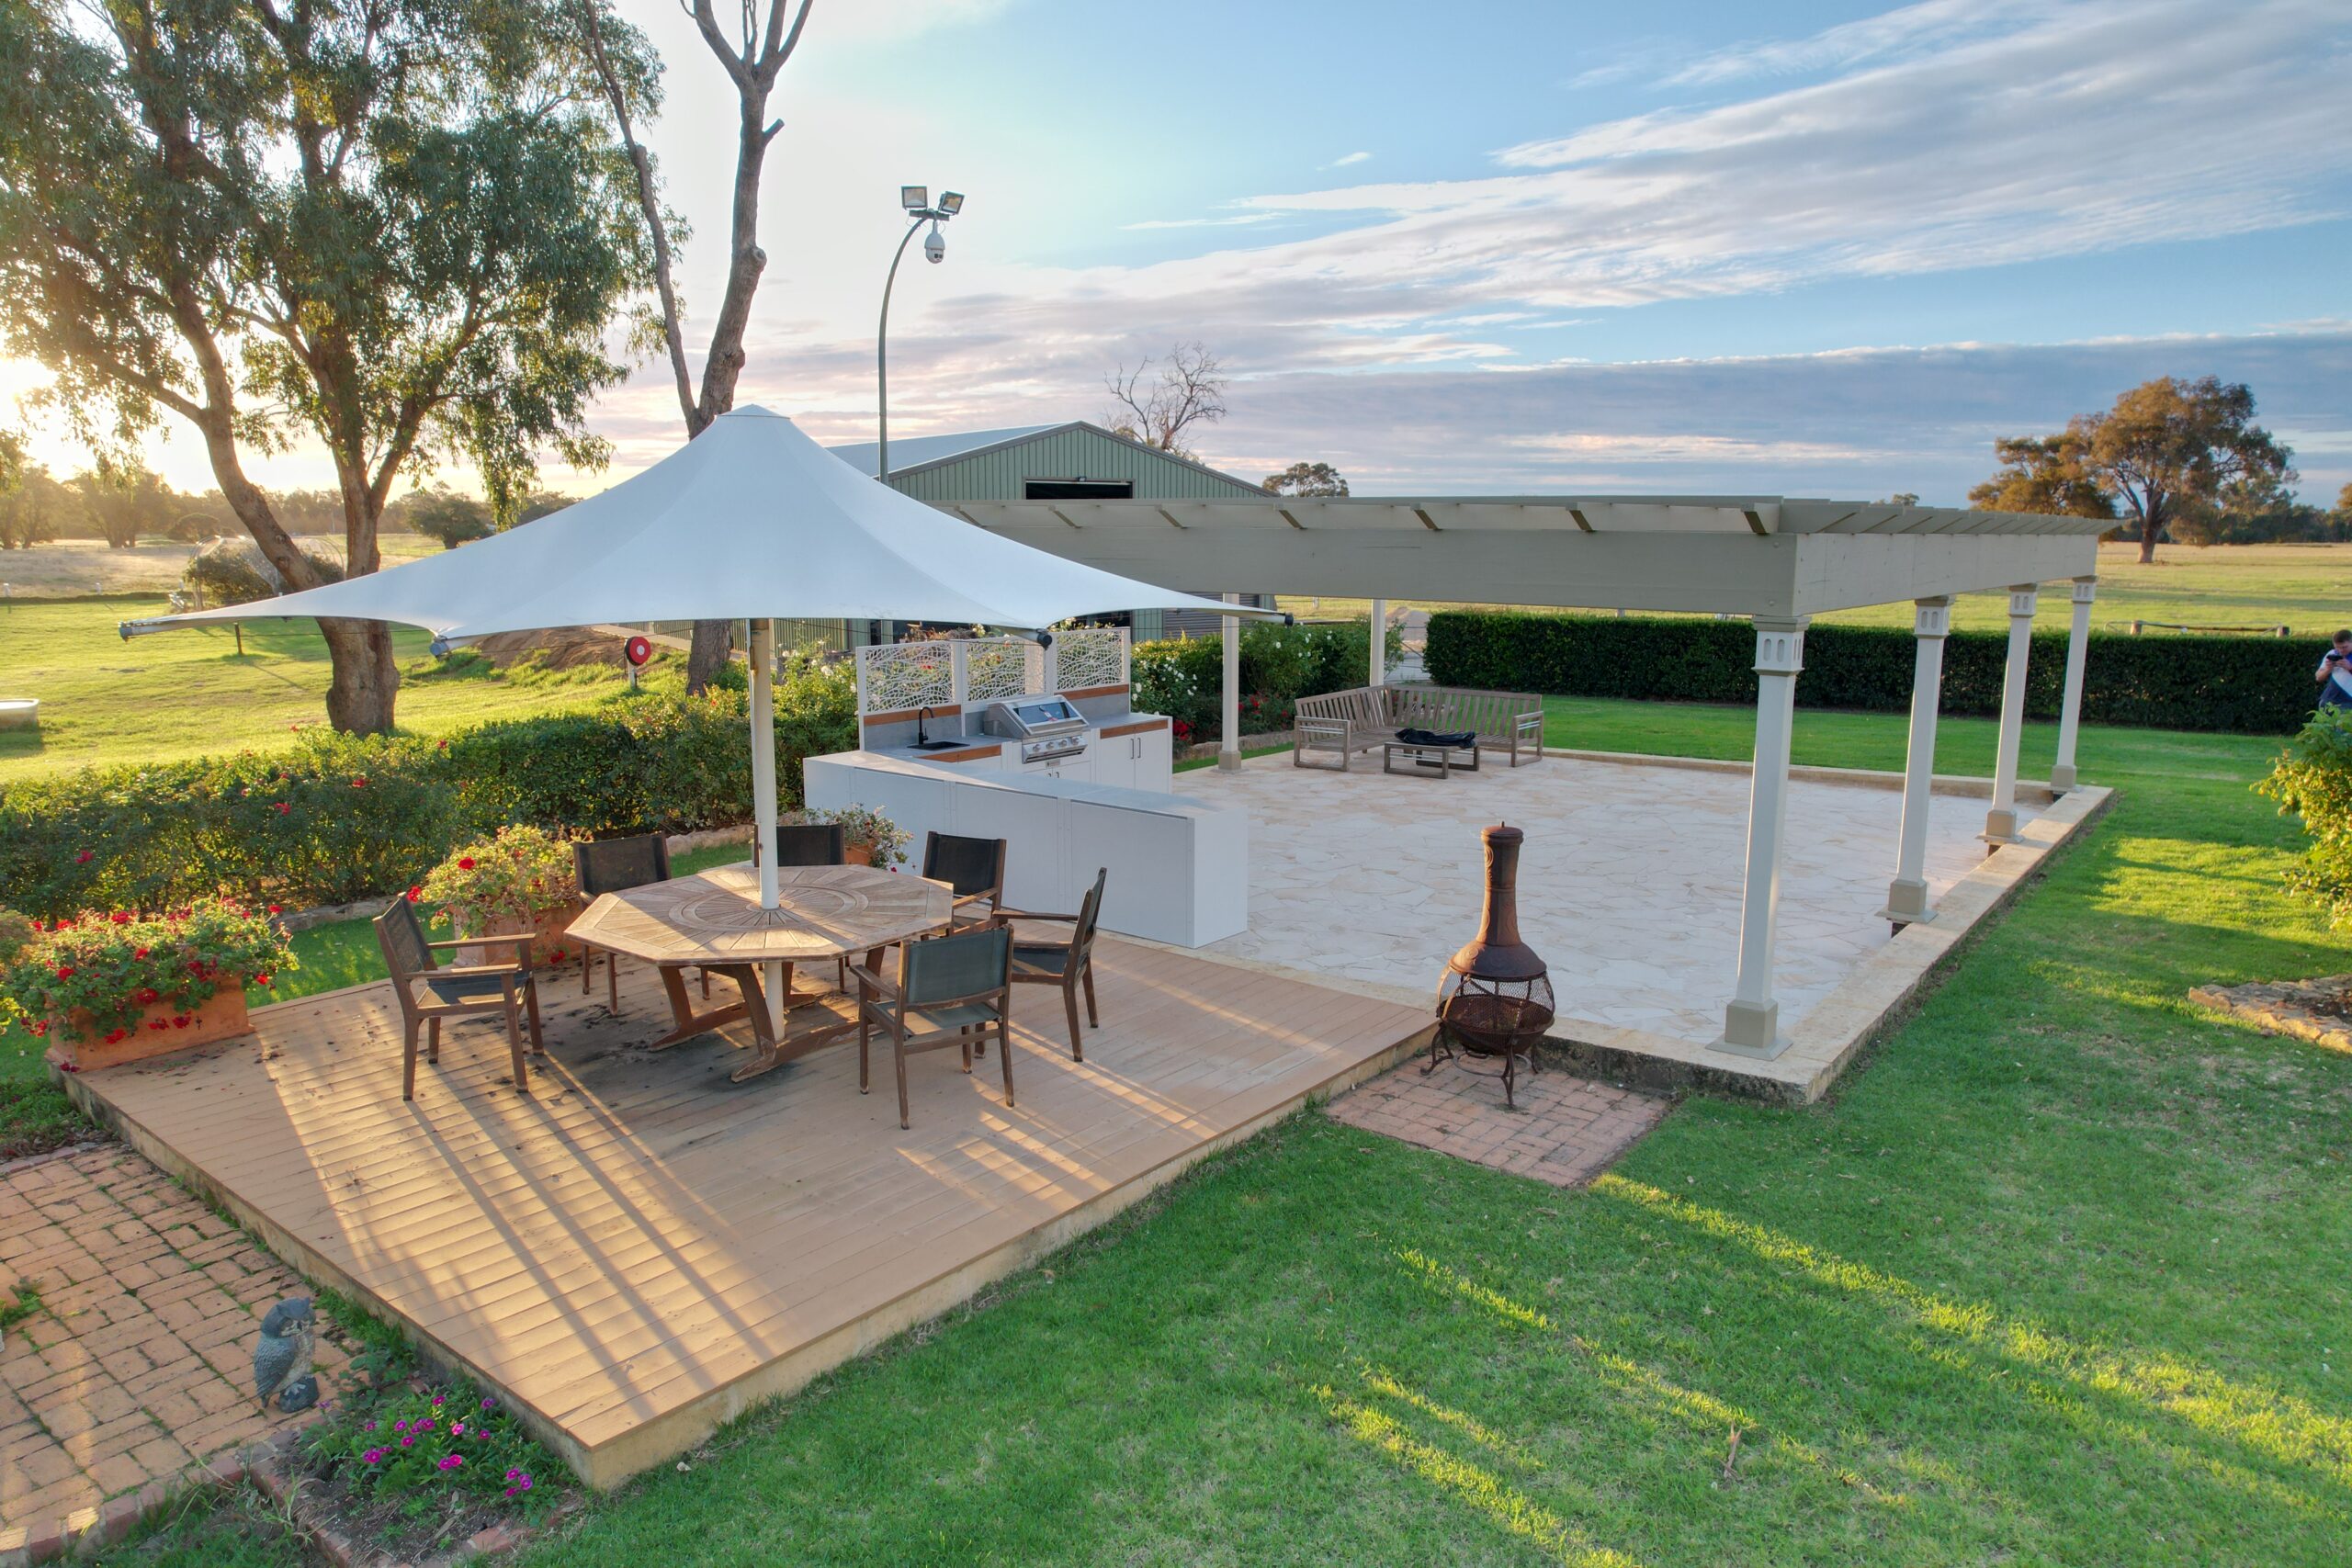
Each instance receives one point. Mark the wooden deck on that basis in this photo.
(642, 1249)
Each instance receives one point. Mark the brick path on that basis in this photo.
(140, 1362)
(1566, 1130)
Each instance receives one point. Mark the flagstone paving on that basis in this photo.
(138, 1365)
(1628, 885)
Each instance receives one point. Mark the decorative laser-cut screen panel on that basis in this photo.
(1090, 656)
(998, 666)
(895, 677)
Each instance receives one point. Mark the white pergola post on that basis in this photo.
(1229, 743)
(1752, 1018)
(1380, 642)
(761, 654)
(2070, 707)
(1906, 896)
(2001, 821)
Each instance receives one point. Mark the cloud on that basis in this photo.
(1342, 163)
(1909, 32)
(1202, 222)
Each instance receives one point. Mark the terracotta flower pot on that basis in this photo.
(549, 946)
(858, 854)
(218, 1019)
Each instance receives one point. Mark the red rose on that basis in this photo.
(359, 784)
(180, 1023)
(139, 953)
(465, 862)
(284, 809)
(416, 894)
(148, 996)
(121, 916)
(277, 909)
(260, 980)
(83, 859)
(66, 971)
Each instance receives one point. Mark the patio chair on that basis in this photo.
(973, 870)
(950, 992)
(1068, 964)
(809, 843)
(615, 865)
(509, 989)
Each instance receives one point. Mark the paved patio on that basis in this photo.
(1566, 1129)
(1628, 885)
(139, 1363)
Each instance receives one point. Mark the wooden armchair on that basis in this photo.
(950, 992)
(1068, 964)
(508, 989)
(615, 865)
(973, 870)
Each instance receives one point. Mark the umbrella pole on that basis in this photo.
(762, 661)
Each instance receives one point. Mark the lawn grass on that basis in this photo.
(189, 693)
(2062, 1275)
(2253, 587)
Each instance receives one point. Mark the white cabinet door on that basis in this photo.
(1114, 761)
(1156, 761)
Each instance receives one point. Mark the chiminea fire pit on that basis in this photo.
(1496, 1000)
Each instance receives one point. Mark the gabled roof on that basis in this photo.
(923, 451)
(914, 454)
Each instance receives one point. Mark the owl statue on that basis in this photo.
(282, 1359)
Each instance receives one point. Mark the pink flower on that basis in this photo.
(368, 1426)
(408, 1442)
(450, 1461)
(372, 1456)
(456, 1429)
(425, 1426)
(400, 1426)
(488, 1403)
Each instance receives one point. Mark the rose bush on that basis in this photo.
(115, 967)
(504, 882)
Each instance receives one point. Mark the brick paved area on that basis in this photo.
(1566, 1130)
(139, 1363)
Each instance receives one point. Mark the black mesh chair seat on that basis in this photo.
(1036, 959)
(460, 989)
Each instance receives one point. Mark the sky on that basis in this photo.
(1801, 248)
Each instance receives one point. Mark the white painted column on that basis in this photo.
(2001, 822)
(1752, 1018)
(1228, 745)
(1380, 642)
(1906, 896)
(2070, 707)
(761, 654)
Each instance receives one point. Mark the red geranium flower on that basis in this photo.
(139, 952)
(416, 894)
(359, 784)
(283, 808)
(66, 971)
(277, 909)
(121, 916)
(465, 862)
(147, 995)
(157, 1023)
(83, 859)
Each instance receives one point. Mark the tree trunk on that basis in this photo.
(360, 693)
(708, 654)
(2150, 526)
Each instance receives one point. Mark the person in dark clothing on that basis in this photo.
(2335, 674)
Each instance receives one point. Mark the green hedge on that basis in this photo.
(2250, 686)
(337, 818)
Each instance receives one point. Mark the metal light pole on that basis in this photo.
(916, 200)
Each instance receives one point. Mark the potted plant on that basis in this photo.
(121, 987)
(868, 837)
(518, 880)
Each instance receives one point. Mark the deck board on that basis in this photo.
(640, 1248)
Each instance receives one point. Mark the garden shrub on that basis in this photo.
(2247, 685)
(2313, 778)
(234, 572)
(337, 818)
(1184, 678)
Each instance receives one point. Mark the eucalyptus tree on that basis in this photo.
(399, 230)
(750, 48)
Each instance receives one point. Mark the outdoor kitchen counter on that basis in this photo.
(1179, 868)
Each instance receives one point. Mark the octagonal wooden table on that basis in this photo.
(713, 921)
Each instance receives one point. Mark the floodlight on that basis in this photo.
(914, 198)
(934, 246)
(951, 202)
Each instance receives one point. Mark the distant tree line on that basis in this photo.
(123, 506)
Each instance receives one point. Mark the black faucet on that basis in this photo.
(920, 739)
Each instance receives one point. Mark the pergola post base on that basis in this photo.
(1907, 903)
(2062, 778)
(2001, 828)
(1753, 1029)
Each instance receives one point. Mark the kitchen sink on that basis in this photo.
(939, 745)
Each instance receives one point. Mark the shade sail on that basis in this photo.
(751, 519)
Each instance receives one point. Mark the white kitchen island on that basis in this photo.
(1179, 868)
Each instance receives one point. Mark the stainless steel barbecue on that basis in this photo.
(1048, 728)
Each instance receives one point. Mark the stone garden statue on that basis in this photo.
(282, 1360)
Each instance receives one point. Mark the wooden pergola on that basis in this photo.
(1776, 561)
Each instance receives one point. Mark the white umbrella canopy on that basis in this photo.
(750, 521)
